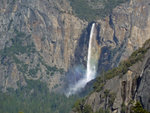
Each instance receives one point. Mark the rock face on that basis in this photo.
(38, 40)
(43, 40)
(125, 30)
(144, 87)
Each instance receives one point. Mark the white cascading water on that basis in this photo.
(90, 71)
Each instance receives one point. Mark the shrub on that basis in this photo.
(137, 108)
(84, 11)
(87, 109)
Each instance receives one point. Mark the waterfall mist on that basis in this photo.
(90, 70)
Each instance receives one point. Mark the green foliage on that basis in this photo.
(34, 71)
(123, 108)
(123, 66)
(110, 97)
(87, 109)
(17, 46)
(50, 69)
(101, 110)
(53, 69)
(35, 98)
(83, 9)
(22, 44)
(78, 105)
(106, 92)
(21, 66)
(80, 108)
(20, 112)
(137, 108)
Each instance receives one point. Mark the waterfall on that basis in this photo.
(90, 71)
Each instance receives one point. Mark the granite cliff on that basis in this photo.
(37, 41)
(43, 40)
